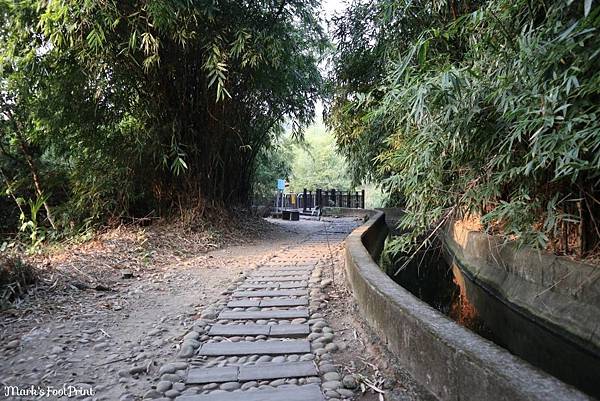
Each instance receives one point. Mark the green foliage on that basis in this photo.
(485, 107)
(131, 107)
(37, 234)
(317, 164)
(272, 164)
(310, 163)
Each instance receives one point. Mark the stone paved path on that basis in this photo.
(267, 340)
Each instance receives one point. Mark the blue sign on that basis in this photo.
(280, 184)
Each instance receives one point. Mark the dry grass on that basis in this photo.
(138, 248)
(15, 277)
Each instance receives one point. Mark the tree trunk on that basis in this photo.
(33, 170)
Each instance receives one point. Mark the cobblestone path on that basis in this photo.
(266, 341)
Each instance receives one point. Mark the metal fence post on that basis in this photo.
(304, 200)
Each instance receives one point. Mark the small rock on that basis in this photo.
(152, 394)
(345, 393)
(192, 335)
(56, 350)
(186, 351)
(349, 382)
(326, 367)
(209, 313)
(173, 378)
(172, 393)
(163, 386)
(329, 376)
(126, 274)
(331, 347)
(137, 370)
(332, 385)
(248, 385)
(190, 342)
(230, 386)
(314, 336)
(13, 344)
(123, 373)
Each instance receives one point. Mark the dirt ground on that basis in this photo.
(152, 287)
(380, 375)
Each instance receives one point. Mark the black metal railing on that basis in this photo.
(308, 201)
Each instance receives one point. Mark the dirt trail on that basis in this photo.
(113, 343)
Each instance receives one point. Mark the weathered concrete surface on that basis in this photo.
(265, 303)
(519, 290)
(300, 393)
(265, 314)
(255, 348)
(563, 293)
(449, 360)
(347, 212)
(270, 293)
(264, 371)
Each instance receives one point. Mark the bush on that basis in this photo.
(488, 109)
(15, 276)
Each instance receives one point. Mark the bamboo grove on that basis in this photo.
(118, 108)
(479, 108)
(486, 108)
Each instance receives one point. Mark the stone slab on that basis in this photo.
(212, 375)
(300, 284)
(278, 268)
(267, 303)
(268, 371)
(260, 285)
(265, 314)
(256, 348)
(289, 330)
(270, 293)
(265, 371)
(239, 330)
(309, 392)
(276, 279)
(243, 303)
(275, 330)
(281, 273)
(275, 286)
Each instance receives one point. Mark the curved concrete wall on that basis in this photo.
(553, 302)
(562, 293)
(449, 360)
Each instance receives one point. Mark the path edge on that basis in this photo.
(448, 360)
